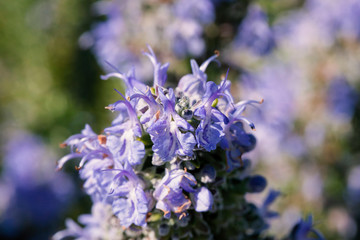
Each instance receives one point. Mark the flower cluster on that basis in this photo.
(175, 27)
(176, 152)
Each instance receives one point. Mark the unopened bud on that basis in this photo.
(208, 174)
(256, 184)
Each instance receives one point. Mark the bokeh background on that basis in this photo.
(301, 57)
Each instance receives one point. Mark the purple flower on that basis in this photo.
(123, 144)
(341, 97)
(169, 142)
(170, 196)
(202, 199)
(132, 205)
(236, 141)
(193, 86)
(97, 182)
(176, 26)
(95, 157)
(159, 70)
(200, 10)
(210, 130)
(254, 32)
(86, 145)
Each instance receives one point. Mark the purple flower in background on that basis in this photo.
(353, 188)
(200, 10)
(175, 27)
(270, 198)
(254, 32)
(303, 228)
(38, 197)
(338, 18)
(341, 97)
(187, 30)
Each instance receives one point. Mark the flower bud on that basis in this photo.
(256, 184)
(208, 174)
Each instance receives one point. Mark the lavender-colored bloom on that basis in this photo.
(200, 10)
(170, 196)
(169, 192)
(95, 157)
(193, 86)
(187, 30)
(165, 133)
(254, 32)
(203, 199)
(87, 144)
(236, 142)
(200, 118)
(274, 82)
(133, 204)
(341, 97)
(175, 26)
(210, 130)
(337, 18)
(97, 182)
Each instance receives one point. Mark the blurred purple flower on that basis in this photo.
(254, 32)
(38, 197)
(341, 97)
(303, 228)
